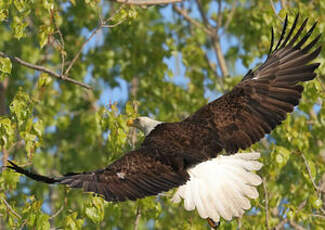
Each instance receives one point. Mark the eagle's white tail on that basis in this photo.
(221, 187)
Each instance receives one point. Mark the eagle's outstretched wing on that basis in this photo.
(136, 175)
(263, 98)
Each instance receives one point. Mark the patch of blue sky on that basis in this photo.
(114, 95)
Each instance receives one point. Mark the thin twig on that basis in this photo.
(191, 20)
(57, 213)
(295, 225)
(266, 197)
(101, 25)
(221, 59)
(204, 18)
(309, 172)
(283, 4)
(230, 15)
(137, 219)
(44, 70)
(285, 220)
(61, 43)
(113, 25)
(274, 11)
(80, 50)
(273, 7)
(219, 21)
(10, 208)
(145, 2)
(16, 144)
(215, 73)
(318, 216)
(215, 39)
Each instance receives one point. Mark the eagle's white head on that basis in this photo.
(145, 124)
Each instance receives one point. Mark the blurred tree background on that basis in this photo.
(73, 72)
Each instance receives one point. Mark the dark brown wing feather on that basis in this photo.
(263, 98)
(136, 175)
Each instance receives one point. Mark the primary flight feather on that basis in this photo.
(186, 154)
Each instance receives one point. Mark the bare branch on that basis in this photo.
(3, 111)
(192, 21)
(10, 208)
(281, 224)
(285, 220)
(44, 70)
(80, 50)
(295, 225)
(137, 219)
(219, 21)
(230, 15)
(318, 216)
(99, 27)
(283, 4)
(213, 35)
(266, 197)
(57, 213)
(309, 172)
(145, 2)
(113, 25)
(61, 43)
(220, 57)
(215, 73)
(204, 18)
(273, 7)
(215, 39)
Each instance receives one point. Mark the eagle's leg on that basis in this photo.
(212, 223)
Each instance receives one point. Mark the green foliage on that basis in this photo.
(56, 127)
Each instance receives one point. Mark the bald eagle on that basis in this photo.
(186, 154)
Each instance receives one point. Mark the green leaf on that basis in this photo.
(42, 222)
(18, 27)
(5, 65)
(95, 209)
(92, 213)
(9, 180)
(44, 34)
(44, 80)
(3, 14)
(72, 223)
(38, 127)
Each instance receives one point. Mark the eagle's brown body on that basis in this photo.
(235, 121)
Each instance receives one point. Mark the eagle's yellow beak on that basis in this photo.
(130, 122)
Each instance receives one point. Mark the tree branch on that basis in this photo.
(99, 27)
(220, 57)
(285, 220)
(137, 219)
(273, 7)
(266, 197)
(3, 111)
(309, 172)
(283, 4)
(204, 18)
(44, 70)
(207, 28)
(215, 38)
(145, 2)
(295, 225)
(230, 15)
(191, 20)
(10, 208)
